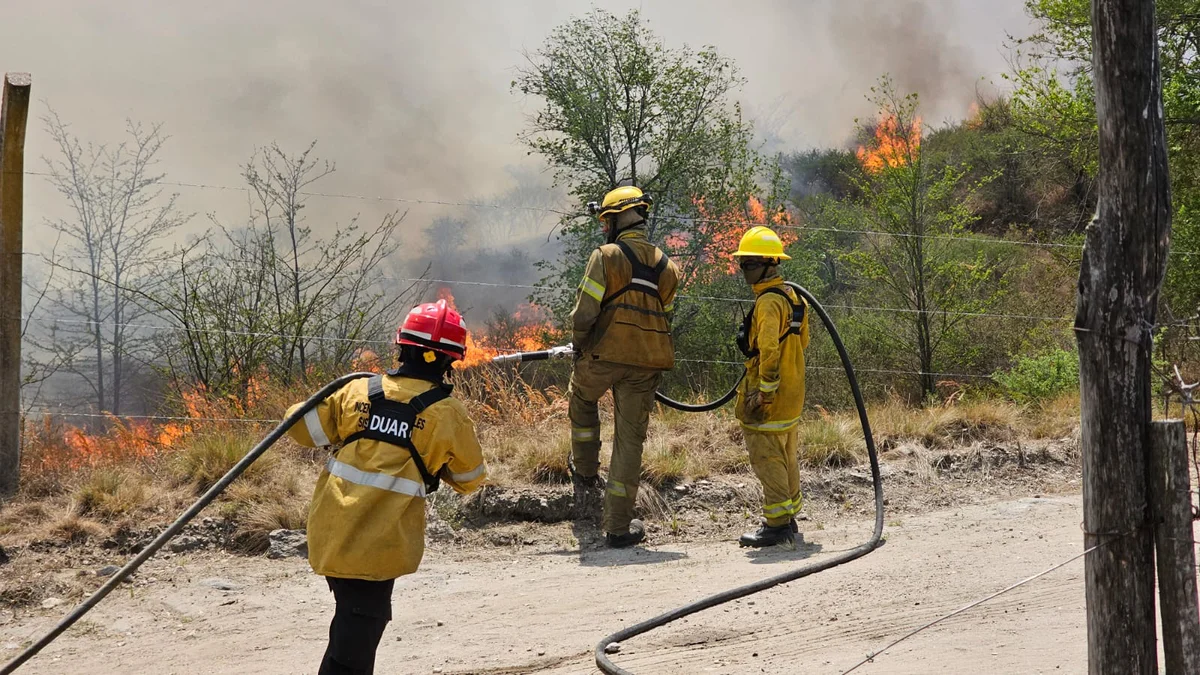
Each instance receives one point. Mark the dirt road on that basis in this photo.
(541, 609)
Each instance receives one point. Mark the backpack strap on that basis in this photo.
(797, 311)
(422, 401)
(409, 411)
(793, 328)
(644, 279)
(375, 388)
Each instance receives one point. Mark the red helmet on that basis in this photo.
(435, 326)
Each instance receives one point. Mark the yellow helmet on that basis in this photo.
(618, 200)
(761, 242)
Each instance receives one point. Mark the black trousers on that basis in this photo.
(364, 609)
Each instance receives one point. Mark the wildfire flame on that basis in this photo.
(893, 145)
(367, 360)
(724, 232)
(531, 326)
(974, 117)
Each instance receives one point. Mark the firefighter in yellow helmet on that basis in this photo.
(622, 337)
(401, 434)
(770, 398)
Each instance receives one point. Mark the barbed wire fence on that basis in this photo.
(58, 263)
(1184, 392)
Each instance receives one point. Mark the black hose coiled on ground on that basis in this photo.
(204, 500)
(607, 666)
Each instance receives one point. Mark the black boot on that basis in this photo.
(768, 535)
(636, 533)
(794, 526)
(579, 480)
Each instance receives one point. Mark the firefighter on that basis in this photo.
(401, 434)
(773, 338)
(622, 338)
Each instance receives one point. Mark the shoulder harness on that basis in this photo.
(392, 422)
(743, 337)
(645, 278)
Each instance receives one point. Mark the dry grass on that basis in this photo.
(23, 517)
(1057, 418)
(113, 492)
(525, 433)
(207, 456)
(832, 441)
(75, 529)
(256, 524)
(663, 462)
(537, 455)
(893, 422)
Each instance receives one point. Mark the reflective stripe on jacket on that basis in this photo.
(634, 327)
(367, 517)
(777, 371)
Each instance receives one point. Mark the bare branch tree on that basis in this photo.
(120, 217)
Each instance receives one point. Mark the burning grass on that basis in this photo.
(71, 496)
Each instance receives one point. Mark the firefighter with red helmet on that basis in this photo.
(401, 435)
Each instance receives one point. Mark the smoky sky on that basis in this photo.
(412, 99)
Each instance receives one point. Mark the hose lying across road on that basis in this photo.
(602, 660)
(180, 522)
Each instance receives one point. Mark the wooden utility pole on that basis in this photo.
(14, 110)
(1124, 261)
(1174, 546)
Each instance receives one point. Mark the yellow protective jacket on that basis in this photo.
(367, 518)
(615, 319)
(777, 370)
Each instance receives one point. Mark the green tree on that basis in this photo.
(1054, 100)
(620, 107)
(917, 264)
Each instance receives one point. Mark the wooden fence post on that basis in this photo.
(1123, 264)
(1174, 546)
(13, 113)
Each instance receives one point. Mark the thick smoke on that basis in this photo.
(412, 99)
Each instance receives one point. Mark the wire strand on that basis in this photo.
(685, 219)
(873, 655)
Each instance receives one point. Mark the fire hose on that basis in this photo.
(602, 660)
(204, 500)
(569, 350)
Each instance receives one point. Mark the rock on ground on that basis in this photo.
(185, 543)
(288, 544)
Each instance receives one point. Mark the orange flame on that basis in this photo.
(725, 231)
(893, 145)
(124, 440)
(367, 360)
(531, 327)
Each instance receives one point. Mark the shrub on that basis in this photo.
(208, 456)
(1041, 376)
(112, 492)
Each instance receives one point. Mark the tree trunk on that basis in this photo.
(117, 343)
(1124, 261)
(298, 340)
(98, 337)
